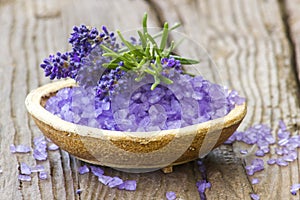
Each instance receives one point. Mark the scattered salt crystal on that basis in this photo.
(171, 195)
(104, 179)
(291, 156)
(97, 171)
(254, 181)
(40, 155)
(116, 181)
(43, 175)
(256, 165)
(260, 153)
(25, 169)
(295, 188)
(254, 196)
(243, 151)
(129, 185)
(281, 162)
(22, 177)
(19, 149)
(38, 168)
(53, 147)
(12, 148)
(83, 169)
(271, 161)
(79, 191)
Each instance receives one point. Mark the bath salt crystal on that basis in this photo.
(25, 169)
(84, 169)
(43, 175)
(19, 148)
(38, 168)
(129, 185)
(26, 178)
(255, 196)
(115, 181)
(171, 195)
(254, 181)
(97, 171)
(190, 101)
(295, 188)
(53, 147)
(104, 179)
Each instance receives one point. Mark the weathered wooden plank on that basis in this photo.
(291, 14)
(248, 42)
(246, 39)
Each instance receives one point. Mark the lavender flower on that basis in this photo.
(56, 66)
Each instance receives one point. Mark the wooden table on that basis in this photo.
(254, 43)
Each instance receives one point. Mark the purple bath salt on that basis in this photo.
(38, 168)
(26, 178)
(19, 149)
(254, 181)
(295, 188)
(83, 169)
(255, 196)
(114, 182)
(129, 185)
(53, 147)
(256, 165)
(43, 175)
(25, 169)
(105, 179)
(135, 107)
(97, 171)
(171, 195)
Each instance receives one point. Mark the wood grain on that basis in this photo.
(246, 39)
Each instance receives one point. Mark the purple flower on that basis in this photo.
(129, 185)
(83, 169)
(171, 195)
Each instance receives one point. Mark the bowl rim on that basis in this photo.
(34, 107)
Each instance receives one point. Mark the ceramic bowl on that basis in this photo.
(130, 151)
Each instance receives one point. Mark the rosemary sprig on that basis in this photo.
(145, 58)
